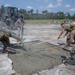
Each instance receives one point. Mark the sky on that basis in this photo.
(40, 5)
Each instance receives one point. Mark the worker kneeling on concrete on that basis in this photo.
(4, 38)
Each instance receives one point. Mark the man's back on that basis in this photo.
(67, 27)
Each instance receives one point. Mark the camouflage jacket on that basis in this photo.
(2, 34)
(20, 22)
(67, 28)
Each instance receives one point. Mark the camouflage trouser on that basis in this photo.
(20, 32)
(68, 38)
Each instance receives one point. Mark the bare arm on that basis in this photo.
(65, 34)
(71, 38)
(62, 31)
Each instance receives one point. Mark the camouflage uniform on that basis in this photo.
(20, 24)
(5, 40)
(68, 30)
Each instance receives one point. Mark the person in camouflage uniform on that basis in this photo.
(4, 38)
(72, 35)
(65, 28)
(20, 23)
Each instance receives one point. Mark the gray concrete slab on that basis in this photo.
(59, 70)
(39, 53)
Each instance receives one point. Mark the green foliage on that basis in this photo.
(45, 15)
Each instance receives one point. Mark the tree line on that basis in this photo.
(45, 14)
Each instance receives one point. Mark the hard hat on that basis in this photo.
(72, 24)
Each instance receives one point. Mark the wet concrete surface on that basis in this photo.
(39, 53)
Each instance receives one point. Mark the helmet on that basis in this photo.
(72, 24)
